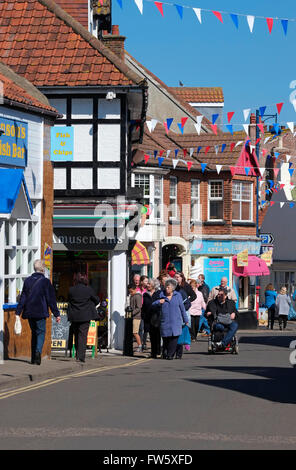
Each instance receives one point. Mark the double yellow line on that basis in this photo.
(53, 381)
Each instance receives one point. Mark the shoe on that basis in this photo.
(139, 349)
(37, 358)
(220, 345)
(169, 358)
(206, 334)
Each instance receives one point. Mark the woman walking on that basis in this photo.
(196, 309)
(82, 303)
(173, 315)
(283, 303)
(270, 297)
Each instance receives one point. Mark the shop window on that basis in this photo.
(242, 201)
(152, 193)
(195, 204)
(215, 204)
(173, 198)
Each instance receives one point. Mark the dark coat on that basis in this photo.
(187, 294)
(37, 297)
(205, 290)
(82, 303)
(215, 307)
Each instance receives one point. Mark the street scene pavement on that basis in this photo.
(202, 402)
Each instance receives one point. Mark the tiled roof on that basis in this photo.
(159, 141)
(199, 94)
(18, 92)
(42, 42)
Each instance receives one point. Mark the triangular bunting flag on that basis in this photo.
(288, 158)
(218, 15)
(203, 166)
(250, 20)
(239, 143)
(159, 7)
(279, 107)
(230, 128)
(261, 171)
(146, 158)
(292, 204)
(261, 127)
(197, 11)
(262, 110)
(291, 126)
(271, 203)
(176, 152)
(184, 152)
(189, 165)
(285, 26)
(281, 204)
(169, 122)
(247, 170)
(160, 160)
(246, 113)
(168, 153)
(216, 149)
(291, 171)
(267, 139)
(232, 146)
(149, 125)
(179, 10)
(207, 149)
(180, 127)
(197, 127)
(155, 154)
(218, 168)
(119, 3)
(276, 171)
(139, 4)
(230, 115)
(214, 128)
(175, 163)
(234, 19)
(166, 127)
(191, 151)
(198, 149)
(223, 148)
(269, 24)
(246, 128)
(183, 121)
(214, 118)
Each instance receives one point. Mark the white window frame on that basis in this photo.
(210, 198)
(249, 183)
(21, 255)
(195, 201)
(174, 199)
(151, 197)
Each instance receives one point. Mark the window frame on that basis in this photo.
(151, 197)
(215, 199)
(251, 201)
(197, 201)
(174, 198)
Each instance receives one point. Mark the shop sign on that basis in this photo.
(214, 269)
(242, 258)
(62, 144)
(92, 333)
(225, 247)
(83, 239)
(13, 142)
(267, 256)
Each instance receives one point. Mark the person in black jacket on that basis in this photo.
(82, 303)
(37, 296)
(224, 312)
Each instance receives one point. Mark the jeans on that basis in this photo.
(38, 327)
(203, 322)
(231, 330)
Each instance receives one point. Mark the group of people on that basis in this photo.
(165, 306)
(278, 305)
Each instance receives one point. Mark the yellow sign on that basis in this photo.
(92, 334)
(242, 258)
(47, 256)
(267, 257)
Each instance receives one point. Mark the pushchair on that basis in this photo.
(216, 336)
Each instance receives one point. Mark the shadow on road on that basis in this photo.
(276, 340)
(276, 384)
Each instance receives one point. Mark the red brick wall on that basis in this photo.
(76, 8)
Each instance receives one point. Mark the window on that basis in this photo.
(152, 193)
(173, 198)
(195, 207)
(242, 200)
(215, 200)
(21, 249)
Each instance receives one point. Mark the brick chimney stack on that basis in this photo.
(114, 41)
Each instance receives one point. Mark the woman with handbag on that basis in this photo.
(82, 303)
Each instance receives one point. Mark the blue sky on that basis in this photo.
(253, 69)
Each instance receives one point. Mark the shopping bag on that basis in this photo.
(184, 338)
(17, 325)
(292, 314)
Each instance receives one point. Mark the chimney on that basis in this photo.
(114, 41)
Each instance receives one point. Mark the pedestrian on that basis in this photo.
(282, 305)
(231, 295)
(224, 312)
(136, 301)
(173, 315)
(136, 281)
(185, 290)
(82, 302)
(170, 267)
(143, 283)
(147, 311)
(37, 297)
(270, 298)
(203, 287)
(197, 306)
(151, 317)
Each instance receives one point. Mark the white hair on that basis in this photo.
(39, 266)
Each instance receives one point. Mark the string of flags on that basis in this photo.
(220, 15)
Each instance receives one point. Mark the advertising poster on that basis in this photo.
(214, 269)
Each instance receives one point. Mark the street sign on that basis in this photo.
(266, 239)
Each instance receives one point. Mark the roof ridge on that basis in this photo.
(92, 40)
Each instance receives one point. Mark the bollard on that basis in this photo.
(128, 333)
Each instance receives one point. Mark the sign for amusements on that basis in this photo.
(13, 142)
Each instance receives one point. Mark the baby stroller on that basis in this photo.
(216, 336)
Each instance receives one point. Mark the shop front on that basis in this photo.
(218, 258)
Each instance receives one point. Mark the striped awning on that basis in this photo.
(140, 254)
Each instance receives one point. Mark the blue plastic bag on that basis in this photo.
(185, 337)
(292, 314)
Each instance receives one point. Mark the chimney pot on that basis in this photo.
(115, 30)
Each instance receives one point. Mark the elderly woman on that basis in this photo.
(282, 305)
(173, 315)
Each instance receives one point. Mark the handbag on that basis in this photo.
(224, 318)
(17, 325)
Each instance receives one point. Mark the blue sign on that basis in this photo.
(214, 269)
(224, 247)
(13, 142)
(62, 144)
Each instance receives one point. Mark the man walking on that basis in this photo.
(36, 298)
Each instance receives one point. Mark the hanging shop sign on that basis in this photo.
(242, 258)
(62, 144)
(13, 142)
